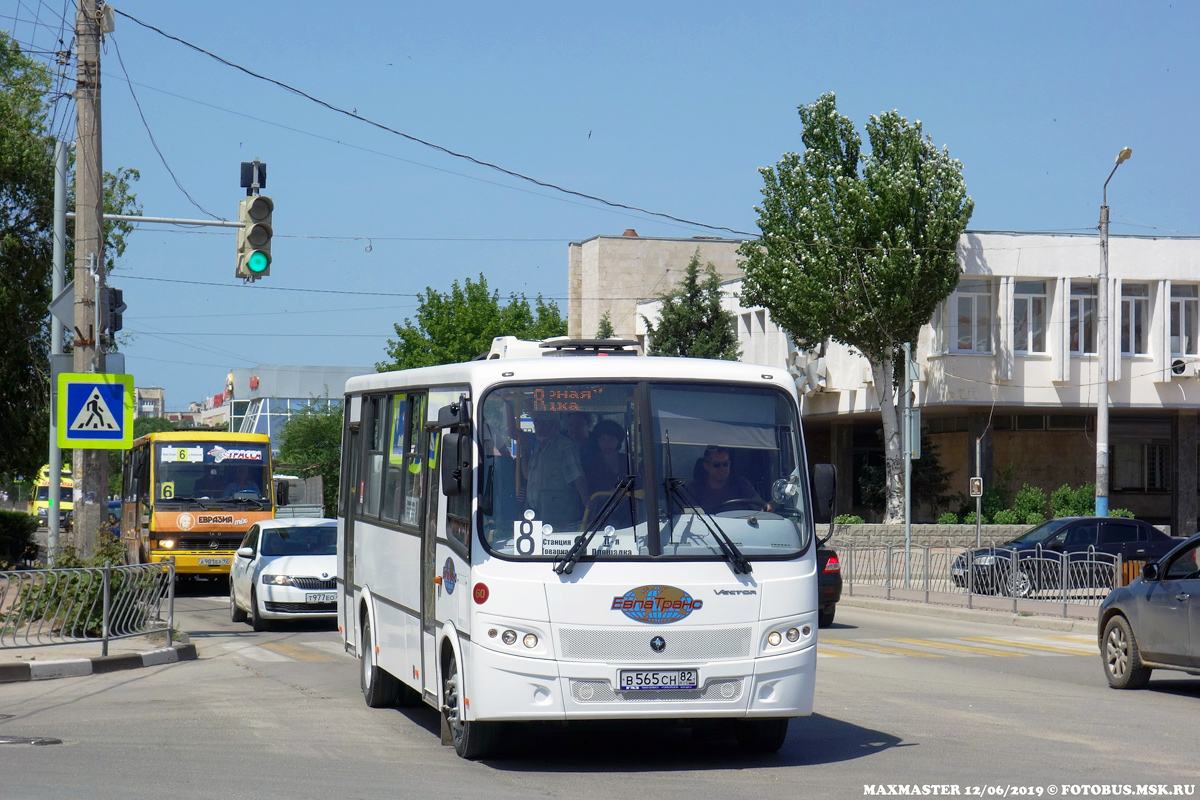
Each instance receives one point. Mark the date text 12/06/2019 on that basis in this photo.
(1013, 790)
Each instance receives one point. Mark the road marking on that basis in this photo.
(979, 651)
(296, 652)
(880, 648)
(821, 652)
(1049, 648)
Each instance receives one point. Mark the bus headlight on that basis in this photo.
(166, 544)
(277, 580)
(508, 637)
(774, 638)
(530, 640)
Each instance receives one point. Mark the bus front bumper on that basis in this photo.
(507, 687)
(196, 562)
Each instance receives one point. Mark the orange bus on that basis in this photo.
(193, 495)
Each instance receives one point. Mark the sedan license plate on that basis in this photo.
(214, 562)
(658, 679)
(321, 597)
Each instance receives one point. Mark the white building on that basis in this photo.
(1010, 359)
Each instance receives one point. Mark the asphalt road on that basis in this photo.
(901, 699)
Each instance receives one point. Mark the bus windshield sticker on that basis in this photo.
(219, 454)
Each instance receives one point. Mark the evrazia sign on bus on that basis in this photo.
(656, 605)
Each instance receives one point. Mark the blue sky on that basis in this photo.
(670, 107)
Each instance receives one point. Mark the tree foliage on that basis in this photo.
(605, 329)
(460, 325)
(859, 247)
(26, 253)
(691, 322)
(313, 437)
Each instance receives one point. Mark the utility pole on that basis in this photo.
(90, 466)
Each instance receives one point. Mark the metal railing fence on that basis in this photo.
(43, 607)
(961, 574)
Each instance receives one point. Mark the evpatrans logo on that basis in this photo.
(219, 454)
(656, 605)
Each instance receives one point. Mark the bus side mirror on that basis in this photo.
(456, 464)
(824, 486)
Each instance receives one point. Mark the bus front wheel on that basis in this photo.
(761, 735)
(472, 740)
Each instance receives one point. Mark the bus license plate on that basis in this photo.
(658, 679)
(214, 562)
(321, 597)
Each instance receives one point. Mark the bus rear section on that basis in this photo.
(192, 495)
(594, 539)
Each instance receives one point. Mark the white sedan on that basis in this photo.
(285, 569)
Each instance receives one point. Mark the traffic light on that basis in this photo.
(114, 304)
(254, 237)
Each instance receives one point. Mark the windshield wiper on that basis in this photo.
(567, 563)
(741, 565)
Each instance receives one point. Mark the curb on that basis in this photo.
(12, 672)
(1066, 624)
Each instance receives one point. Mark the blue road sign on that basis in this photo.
(95, 411)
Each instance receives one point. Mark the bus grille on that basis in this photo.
(314, 583)
(684, 644)
(601, 691)
(206, 544)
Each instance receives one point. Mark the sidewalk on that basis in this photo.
(993, 611)
(84, 658)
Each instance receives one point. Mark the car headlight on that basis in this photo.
(277, 580)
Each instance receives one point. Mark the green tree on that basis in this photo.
(313, 438)
(460, 325)
(605, 330)
(691, 322)
(26, 231)
(859, 248)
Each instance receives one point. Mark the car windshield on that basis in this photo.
(299, 541)
(1041, 533)
(652, 469)
(212, 471)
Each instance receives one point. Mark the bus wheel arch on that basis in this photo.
(471, 740)
(379, 687)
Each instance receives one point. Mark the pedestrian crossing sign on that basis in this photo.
(95, 411)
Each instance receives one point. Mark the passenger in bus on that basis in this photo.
(555, 486)
(603, 461)
(242, 482)
(579, 429)
(714, 485)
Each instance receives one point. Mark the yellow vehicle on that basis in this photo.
(193, 495)
(39, 498)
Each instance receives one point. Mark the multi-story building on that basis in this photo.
(1008, 368)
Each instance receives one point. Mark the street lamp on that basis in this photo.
(1102, 352)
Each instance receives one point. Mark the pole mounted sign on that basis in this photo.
(95, 411)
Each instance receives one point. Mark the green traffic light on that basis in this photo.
(258, 262)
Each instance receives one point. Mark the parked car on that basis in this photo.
(1083, 549)
(829, 584)
(1154, 622)
(285, 569)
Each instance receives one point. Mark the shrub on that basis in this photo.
(848, 519)
(1120, 512)
(1006, 517)
(17, 531)
(1068, 502)
(948, 518)
(1029, 500)
(1035, 519)
(969, 518)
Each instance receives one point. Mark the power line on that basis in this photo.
(432, 145)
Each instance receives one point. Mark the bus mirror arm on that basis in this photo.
(824, 486)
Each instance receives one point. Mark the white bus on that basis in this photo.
(581, 538)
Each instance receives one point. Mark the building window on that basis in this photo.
(1083, 317)
(1135, 318)
(1185, 313)
(972, 321)
(1029, 317)
(1158, 466)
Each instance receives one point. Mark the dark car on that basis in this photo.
(1154, 622)
(1082, 551)
(829, 584)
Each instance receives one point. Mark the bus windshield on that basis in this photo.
(673, 470)
(210, 471)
